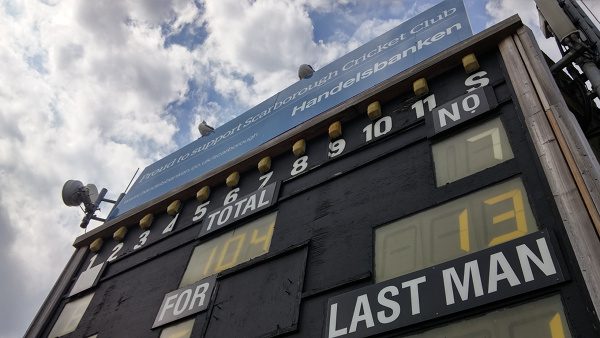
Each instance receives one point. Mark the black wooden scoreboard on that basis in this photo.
(395, 215)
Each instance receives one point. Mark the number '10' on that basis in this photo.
(377, 129)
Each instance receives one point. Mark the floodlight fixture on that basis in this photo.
(74, 194)
(305, 71)
(205, 129)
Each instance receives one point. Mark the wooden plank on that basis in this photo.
(576, 220)
(582, 160)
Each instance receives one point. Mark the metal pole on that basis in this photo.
(587, 25)
(593, 74)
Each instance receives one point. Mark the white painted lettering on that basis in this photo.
(423, 43)
(185, 297)
(443, 113)
(451, 277)
(362, 312)
(211, 218)
(507, 272)
(168, 304)
(238, 206)
(470, 107)
(250, 205)
(199, 295)
(413, 284)
(544, 262)
(390, 304)
(477, 80)
(224, 215)
(261, 200)
(299, 109)
(333, 332)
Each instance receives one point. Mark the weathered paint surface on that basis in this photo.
(322, 245)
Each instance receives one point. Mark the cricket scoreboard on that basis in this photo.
(425, 207)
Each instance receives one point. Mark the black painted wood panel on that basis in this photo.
(323, 237)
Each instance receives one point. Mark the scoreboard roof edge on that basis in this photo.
(482, 41)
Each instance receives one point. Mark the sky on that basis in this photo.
(93, 90)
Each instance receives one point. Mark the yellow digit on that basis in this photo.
(556, 327)
(210, 259)
(463, 223)
(518, 213)
(266, 239)
(494, 134)
(233, 261)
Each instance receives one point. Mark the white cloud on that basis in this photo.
(83, 90)
(502, 9)
(370, 29)
(257, 54)
(84, 94)
(266, 42)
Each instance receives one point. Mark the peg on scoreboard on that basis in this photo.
(264, 165)
(119, 234)
(470, 63)
(233, 179)
(420, 87)
(374, 110)
(174, 207)
(299, 148)
(335, 130)
(96, 244)
(146, 222)
(203, 194)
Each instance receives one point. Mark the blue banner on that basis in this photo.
(381, 58)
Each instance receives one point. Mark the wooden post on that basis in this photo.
(582, 160)
(574, 212)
